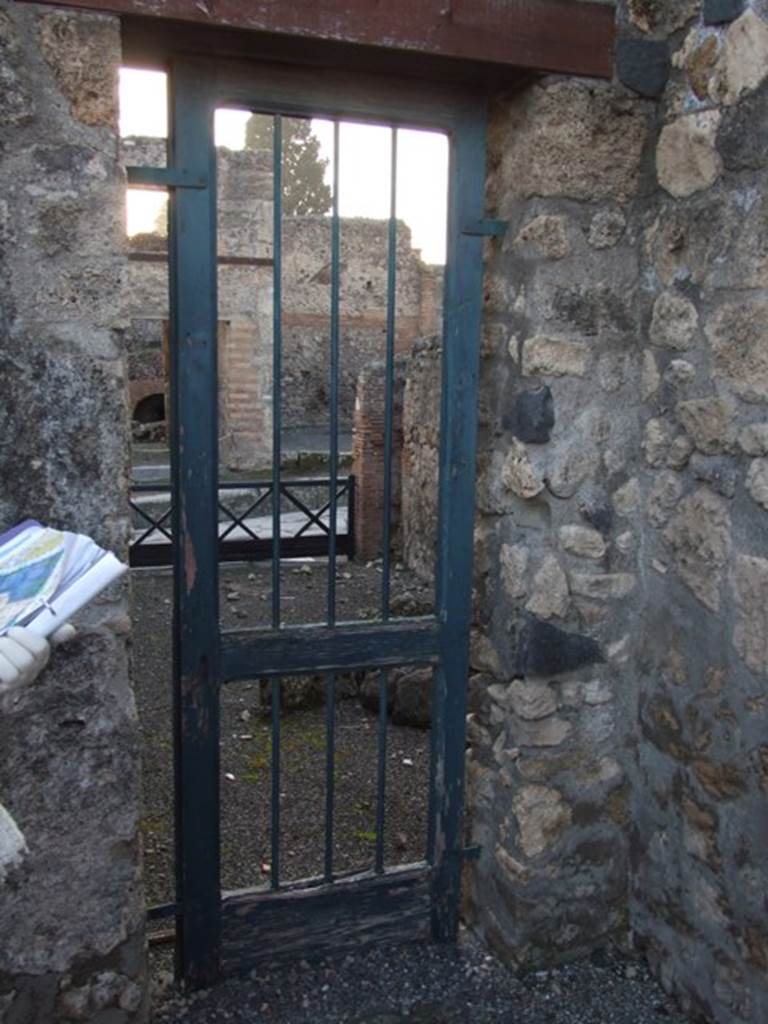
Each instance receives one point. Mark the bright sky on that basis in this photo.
(364, 172)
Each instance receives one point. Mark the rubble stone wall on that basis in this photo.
(617, 776)
(72, 913)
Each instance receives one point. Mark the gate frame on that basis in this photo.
(203, 657)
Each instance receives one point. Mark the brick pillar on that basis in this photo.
(368, 457)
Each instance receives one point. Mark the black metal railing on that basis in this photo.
(244, 536)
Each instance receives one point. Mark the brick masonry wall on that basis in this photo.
(72, 913)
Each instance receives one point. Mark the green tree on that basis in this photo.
(304, 188)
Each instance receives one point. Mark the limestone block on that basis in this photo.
(547, 236)
(606, 228)
(12, 844)
(674, 322)
(603, 586)
(737, 334)
(686, 158)
(83, 54)
(514, 562)
(549, 593)
(710, 423)
(700, 64)
(571, 139)
(660, 15)
(754, 439)
(542, 817)
(757, 481)
(554, 357)
(663, 498)
(518, 475)
(743, 64)
(581, 541)
(699, 536)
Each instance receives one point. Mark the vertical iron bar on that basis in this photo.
(381, 778)
(277, 338)
(334, 383)
(195, 548)
(330, 748)
(275, 775)
(458, 431)
(390, 376)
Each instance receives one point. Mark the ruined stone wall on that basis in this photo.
(72, 914)
(617, 773)
(245, 304)
(699, 769)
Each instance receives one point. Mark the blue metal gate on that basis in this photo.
(223, 933)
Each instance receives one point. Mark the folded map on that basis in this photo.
(47, 575)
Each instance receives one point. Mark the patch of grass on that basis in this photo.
(365, 836)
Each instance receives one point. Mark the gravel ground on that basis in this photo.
(432, 985)
(246, 747)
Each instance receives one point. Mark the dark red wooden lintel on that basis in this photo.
(570, 36)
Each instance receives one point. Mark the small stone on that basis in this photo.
(626, 542)
(547, 650)
(547, 235)
(554, 357)
(583, 542)
(699, 536)
(679, 373)
(650, 375)
(656, 442)
(754, 439)
(533, 417)
(603, 586)
(663, 498)
(674, 322)
(710, 423)
(743, 63)
(643, 65)
(514, 562)
(721, 475)
(757, 481)
(606, 228)
(686, 158)
(750, 587)
(531, 701)
(737, 334)
(549, 593)
(626, 499)
(517, 474)
(542, 817)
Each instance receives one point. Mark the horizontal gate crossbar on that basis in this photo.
(163, 177)
(246, 654)
(259, 926)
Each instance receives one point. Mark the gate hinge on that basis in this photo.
(487, 228)
(164, 177)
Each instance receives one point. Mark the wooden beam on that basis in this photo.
(571, 36)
